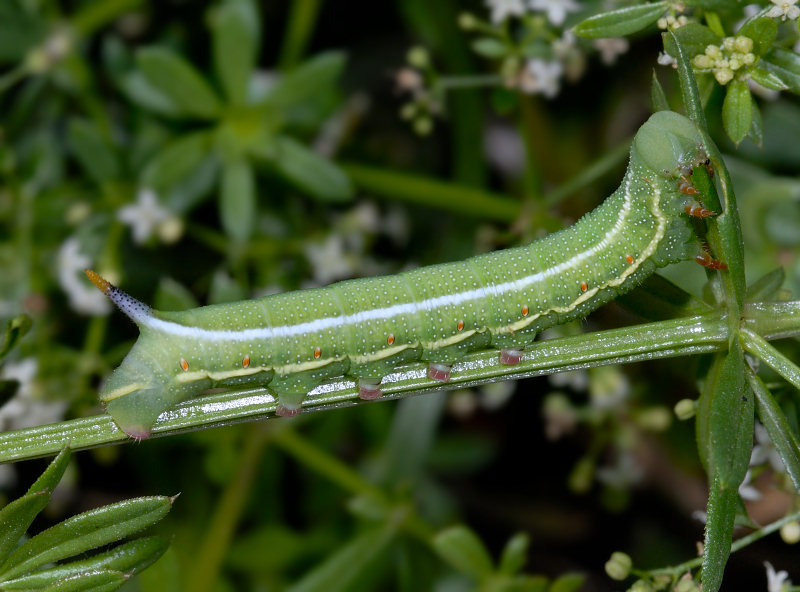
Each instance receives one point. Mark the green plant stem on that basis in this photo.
(590, 174)
(301, 21)
(677, 337)
(691, 335)
(323, 463)
(678, 570)
(459, 199)
(211, 551)
(327, 465)
(476, 81)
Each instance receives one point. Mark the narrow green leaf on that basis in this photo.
(462, 199)
(657, 298)
(693, 37)
(658, 96)
(680, 47)
(51, 476)
(463, 550)
(762, 31)
(778, 428)
(310, 172)
(86, 531)
(16, 517)
(142, 92)
(97, 158)
(236, 39)
(727, 404)
(731, 421)
(340, 570)
(515, 554)
(489, 47)
(785, 65)
(756, 132)
(620, 22)
(768, 79)
(237, 205)
(16, 329)
(767, 286)
(412, 434)
(94, 581)
(723, 502)
(761, 348)
(131, 557)
(180, 81)
(737, 110)
(176, 161)
(300, 85)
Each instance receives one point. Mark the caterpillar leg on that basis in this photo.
(696, 210)
(369, 390)
(511, 356)
(706, 260)
(283, 411)
(440, 372)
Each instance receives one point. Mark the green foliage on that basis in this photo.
(31, 564)
(229, 152)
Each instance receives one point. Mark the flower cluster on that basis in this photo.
(724, 60)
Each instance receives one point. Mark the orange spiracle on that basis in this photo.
(246, 362)
(460, 326)
(629, 259)
(525, 310)
(317, 353)
(584, 286)
(390, 339)
(184, 365)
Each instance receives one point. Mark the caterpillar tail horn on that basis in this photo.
(137, 311)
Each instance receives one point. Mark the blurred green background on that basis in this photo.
(204, 152)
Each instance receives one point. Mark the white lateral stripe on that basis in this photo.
(316, 325)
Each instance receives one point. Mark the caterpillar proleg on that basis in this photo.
(364, 328)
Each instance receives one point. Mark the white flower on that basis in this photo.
(556, 9)
(764, 451)
(542, 77)
(610, 48)
(503, 147)
(784, 9)
(748, 492)
(502, 9)
(83, 297)
(25, 409)
(664, 59)
(777, 581)
(146, 216)
(329, 261)
(625, 473)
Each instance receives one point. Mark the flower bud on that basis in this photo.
(618, 567)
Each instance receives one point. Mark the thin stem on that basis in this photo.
(737, 545)
(476, 81)
(211, 551)
(685, 336)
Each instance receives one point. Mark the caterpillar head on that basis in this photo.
(669, 144)
(136, 393)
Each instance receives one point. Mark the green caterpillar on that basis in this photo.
(364, 328)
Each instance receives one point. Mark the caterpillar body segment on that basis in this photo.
(364, 328)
